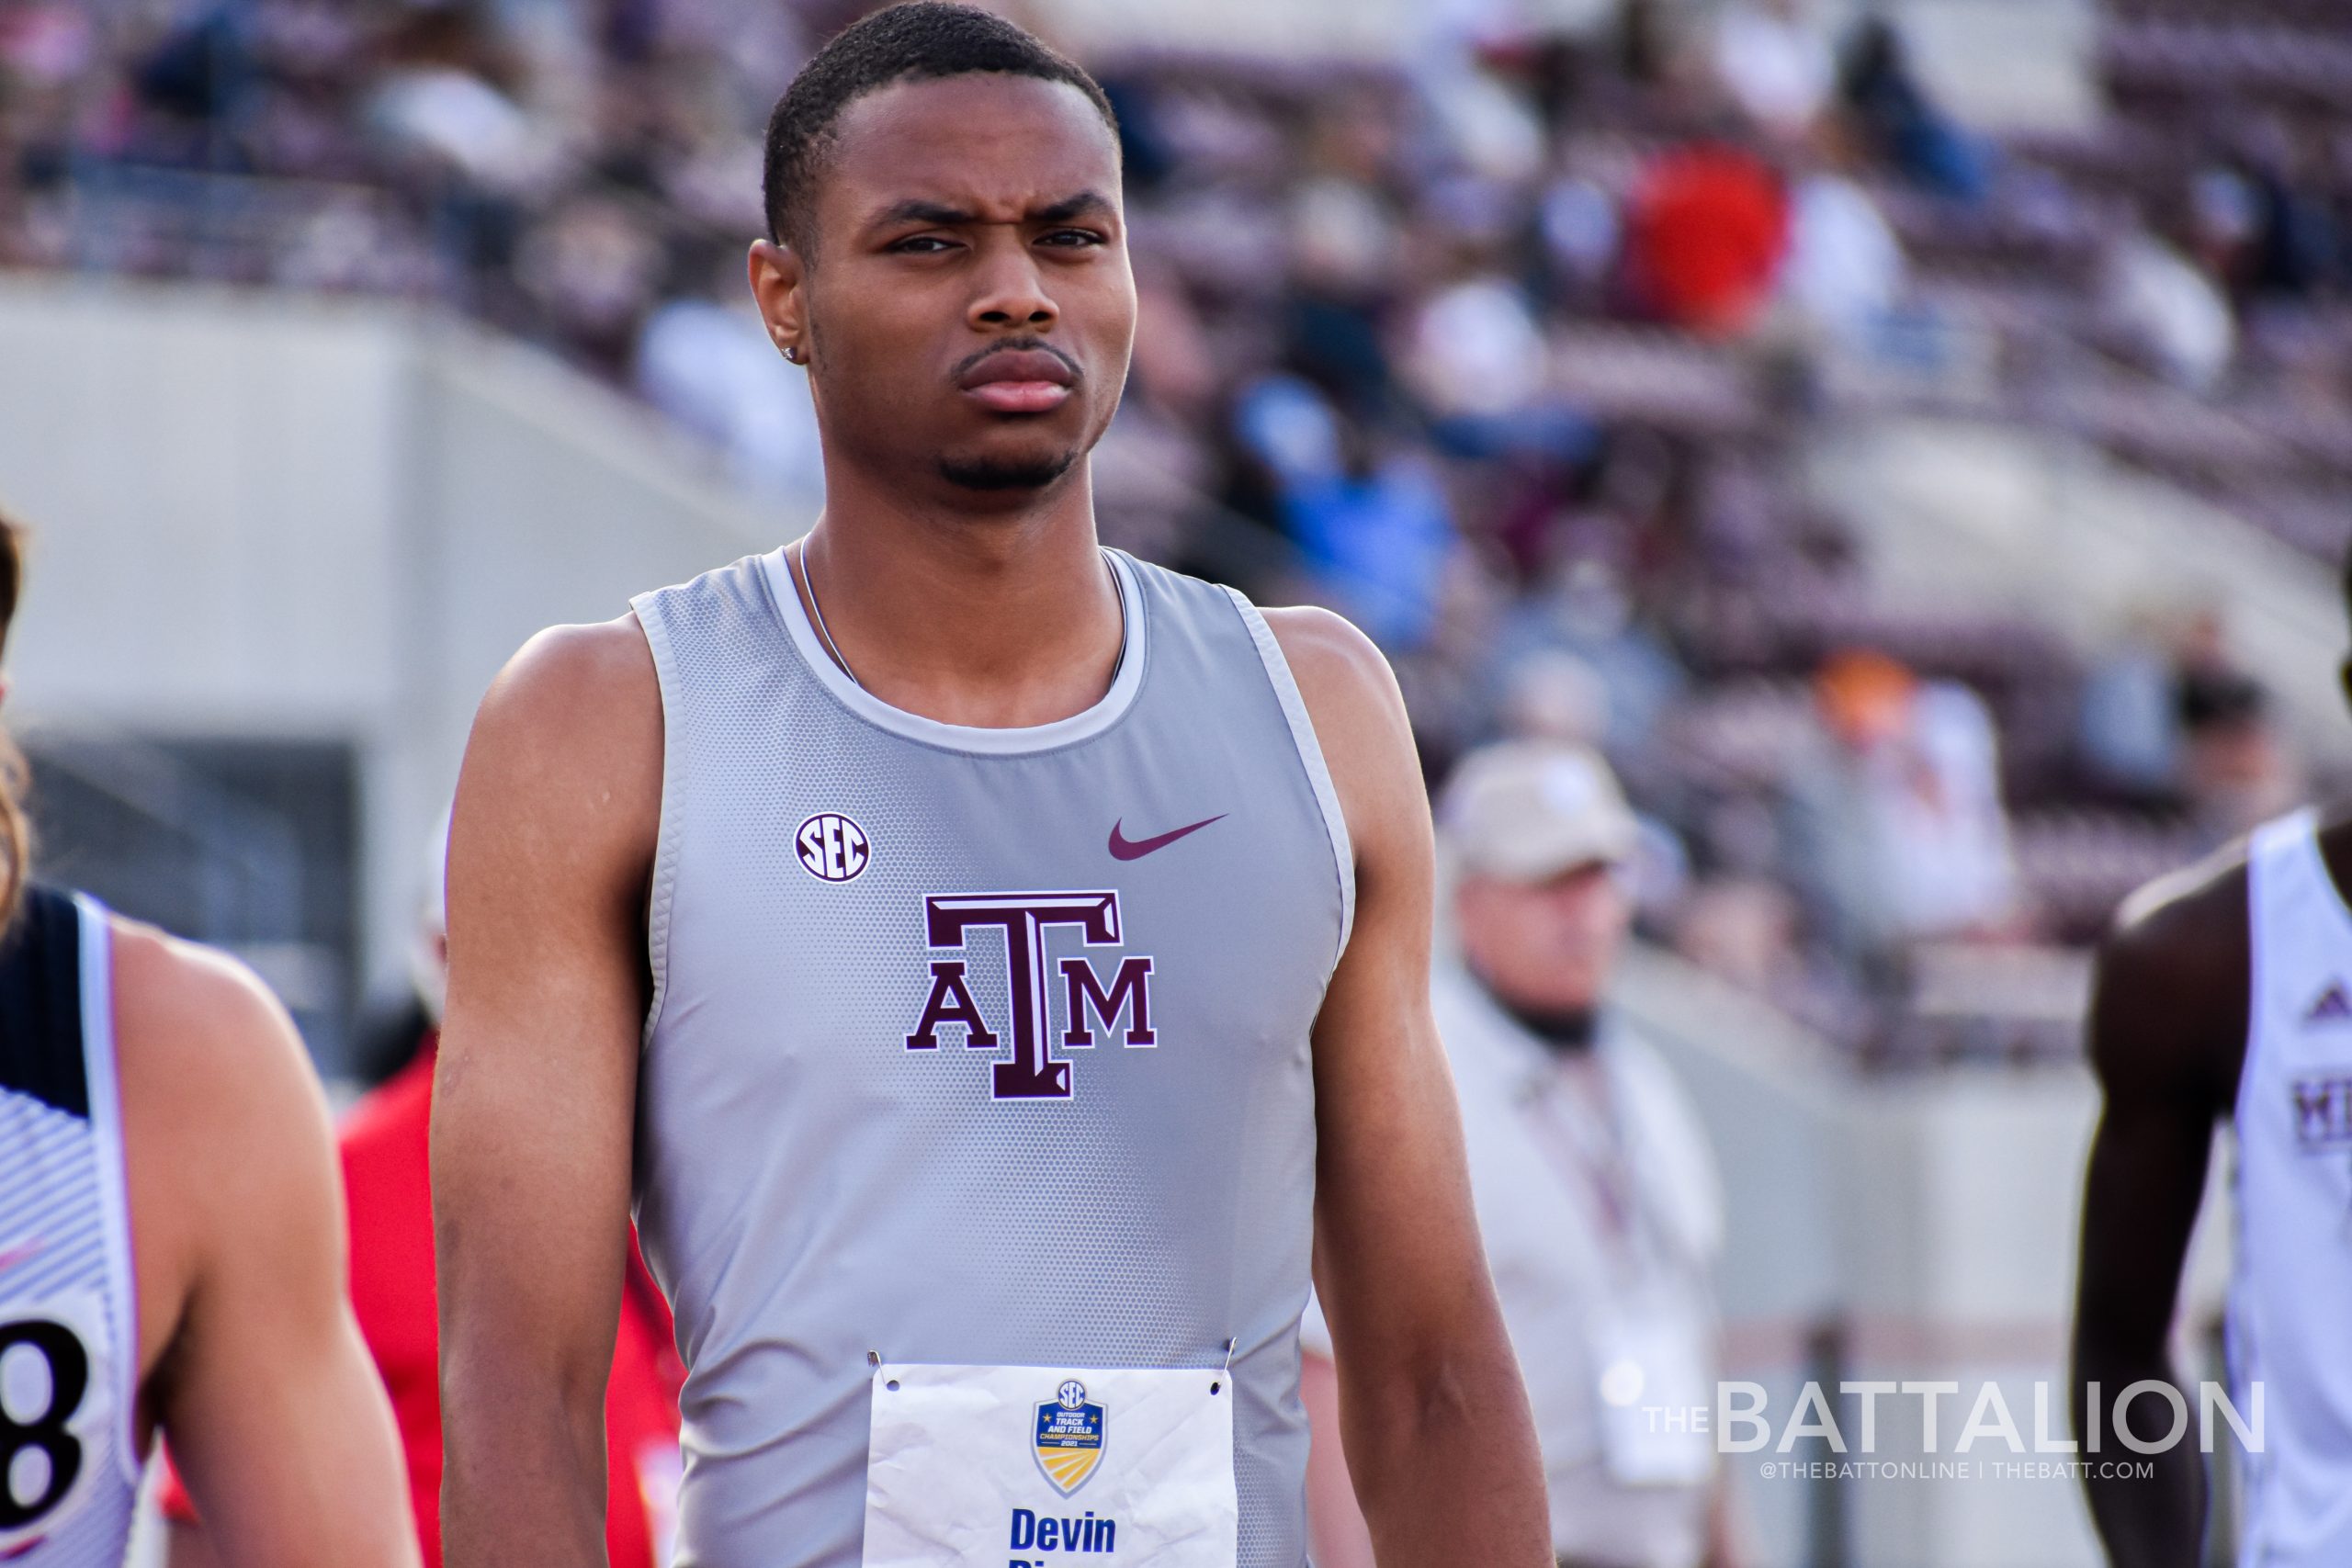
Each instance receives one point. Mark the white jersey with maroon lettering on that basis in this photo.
(977, 1046)
(2290, 1300)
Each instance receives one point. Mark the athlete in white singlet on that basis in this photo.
(171, 1255)
(2226, 992)
(997, 968)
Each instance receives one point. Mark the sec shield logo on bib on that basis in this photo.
(1070, 1438)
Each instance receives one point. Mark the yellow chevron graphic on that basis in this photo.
(1068, 1467)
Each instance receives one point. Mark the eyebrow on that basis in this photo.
(1085, 204)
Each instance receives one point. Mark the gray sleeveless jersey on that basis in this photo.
(978, 1046)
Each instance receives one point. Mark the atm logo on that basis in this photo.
(1033, 1072)
(2323, 1111)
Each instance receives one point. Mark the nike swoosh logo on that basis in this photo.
(12, 1256)
(1122, 848)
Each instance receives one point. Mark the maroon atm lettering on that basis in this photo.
(1130, 990)
(950, 1002)
(1025, 918)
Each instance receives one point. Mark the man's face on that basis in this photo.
(970, 311)
(1544, 946)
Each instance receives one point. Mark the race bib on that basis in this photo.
(56, 1409)
(1035, 1467)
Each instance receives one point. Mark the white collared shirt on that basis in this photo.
(1598, 1200)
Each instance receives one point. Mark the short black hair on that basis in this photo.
(924, 41)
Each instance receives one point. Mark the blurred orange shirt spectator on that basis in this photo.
(386, 1191)
(1707, 229)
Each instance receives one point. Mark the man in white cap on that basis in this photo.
(1595, 1188)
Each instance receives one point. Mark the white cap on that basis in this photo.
(1528, 810)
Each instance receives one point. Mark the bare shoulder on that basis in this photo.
(2185, 931)
(1338, 669)
(223, 1118)
(1359, 716)
(574, 681)
(199, 1031)
(566, 748)
(2169, 1007)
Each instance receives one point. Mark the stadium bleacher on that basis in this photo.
(1379, 236)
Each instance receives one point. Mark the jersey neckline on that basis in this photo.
(978, 739)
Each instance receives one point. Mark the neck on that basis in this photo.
(1000, 617)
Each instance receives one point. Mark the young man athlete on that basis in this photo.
(171, 1248)
(990, 963)
(2226, 991)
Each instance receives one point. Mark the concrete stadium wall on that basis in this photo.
(270, 517)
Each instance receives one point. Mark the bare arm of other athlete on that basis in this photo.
(2167, 1028)
(1436, 1426)
(254, 1367)
(550, 849)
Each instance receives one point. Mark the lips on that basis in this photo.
(1019, 381)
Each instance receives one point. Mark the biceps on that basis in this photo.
(2145, 1178)
(534, 1101)
(276, 1420)
(1395, 1239)
(531, 1195)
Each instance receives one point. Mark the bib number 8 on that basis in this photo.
(41, 1431)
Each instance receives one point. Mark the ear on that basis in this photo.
(777, 274)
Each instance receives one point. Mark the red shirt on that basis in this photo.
(1705, 235)
(385, 1146)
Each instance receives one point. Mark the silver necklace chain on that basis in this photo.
(825, 635)
(816, 614)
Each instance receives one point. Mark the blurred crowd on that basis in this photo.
(1510, 349)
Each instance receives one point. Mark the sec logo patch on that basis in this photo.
(831, 847)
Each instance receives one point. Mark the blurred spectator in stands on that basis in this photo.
(2163, 308)
(1774, 60)
(384, 1145)
(1580, 605)
(2293, 244)
(1844, 273)
(2238, 769)
(1582, 233)
(1897, 827)
(591, 267)
(1346, 249)
(1553, 696)
(1898, 122)
(1706, 231)
(1378, 529)
(436, 100)
(1477, 363)
(1596, 1190)
(2130, 732)
(706, 360)
(1744, 930)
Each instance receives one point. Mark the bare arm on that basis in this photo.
(1336, 1536)
(1438, 1434)
(2167, 1029)
(549, 851)
(275, 1414)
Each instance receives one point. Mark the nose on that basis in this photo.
(1011, 292)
